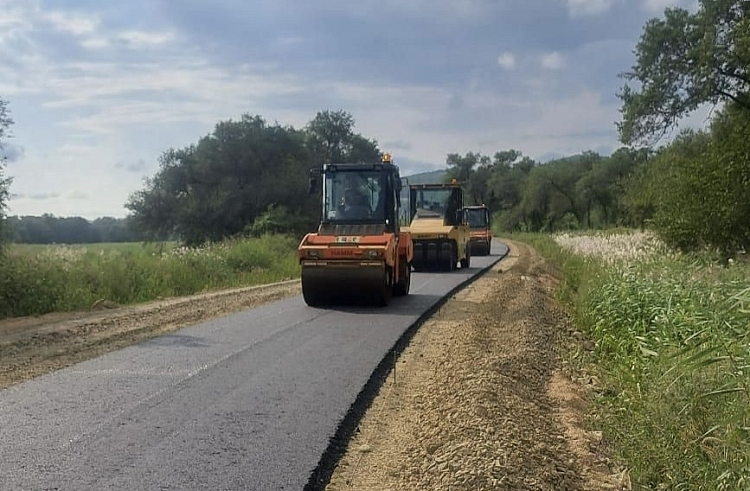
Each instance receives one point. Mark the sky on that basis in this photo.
(99, 90)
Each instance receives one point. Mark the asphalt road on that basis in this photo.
(246, 401)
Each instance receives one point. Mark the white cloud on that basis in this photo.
(95, 43)
(553, 61)
(507, 60)
(72, 23)
(145, 38)
(579, 8)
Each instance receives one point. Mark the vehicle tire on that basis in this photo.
(402, 287)
(387, 288)
(313, 299)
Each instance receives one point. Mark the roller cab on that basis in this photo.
(359, 253)
(438, 228)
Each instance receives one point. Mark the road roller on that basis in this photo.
(480, 235)
(438, 227)
(359, 253)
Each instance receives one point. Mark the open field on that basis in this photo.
(670, 356)
(60, 278)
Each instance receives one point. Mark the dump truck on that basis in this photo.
(480, 236)
(438, 228)
(359, 252)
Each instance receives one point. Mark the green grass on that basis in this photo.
(672, 352)
(43, 279)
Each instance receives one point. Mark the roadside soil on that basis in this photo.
(478, 400)
(32, 346)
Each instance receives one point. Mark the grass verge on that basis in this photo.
(42, 279)
(672, 356)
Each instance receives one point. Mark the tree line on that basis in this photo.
(580, 191)
(49, 229)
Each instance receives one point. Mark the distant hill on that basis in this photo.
(433, 177)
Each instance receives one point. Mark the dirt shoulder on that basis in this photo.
(478, 400)
(32, 346)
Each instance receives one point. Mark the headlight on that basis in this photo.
(373, 253)
(312, 253)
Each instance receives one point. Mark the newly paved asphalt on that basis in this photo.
(246, 401)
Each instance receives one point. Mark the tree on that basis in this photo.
(245, 171)
(331, 139)
(699, 187)
(460, 167)
(5, 123)
(684, 61)
(217, 188)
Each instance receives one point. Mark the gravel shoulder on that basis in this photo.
(479, 400)
(32, 346)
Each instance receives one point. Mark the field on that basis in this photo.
(671, 356)
(51, 278)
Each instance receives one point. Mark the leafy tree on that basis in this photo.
(216, 188)
(460, 167)
(510, 171)
(5, 123)
(246, 172)
(331, 139)
(683, 61)
(699, 186)
(602, 187)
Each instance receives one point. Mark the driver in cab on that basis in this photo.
(355, 203)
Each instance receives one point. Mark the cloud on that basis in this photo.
(145, 38)
(580, 8)
(507, 60)
(41, 196)
(75, 24)
(553, 61)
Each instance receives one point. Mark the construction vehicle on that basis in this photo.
(480, 236)
(438, 228)
(359, 252)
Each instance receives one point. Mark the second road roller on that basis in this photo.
(438, 226)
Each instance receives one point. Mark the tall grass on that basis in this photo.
(672, 353)
(41, 279)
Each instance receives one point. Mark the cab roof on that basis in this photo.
(361, 166)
